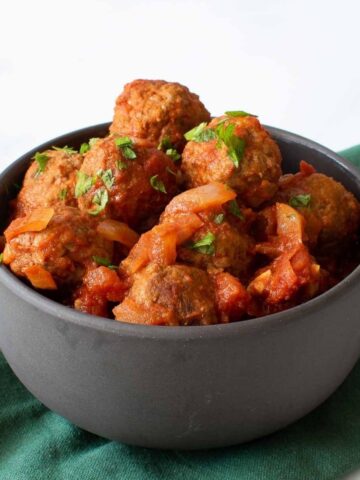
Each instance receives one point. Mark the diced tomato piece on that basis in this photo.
(232, 299)
(306, 169)
(107, 283)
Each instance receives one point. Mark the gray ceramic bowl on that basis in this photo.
(183, 387)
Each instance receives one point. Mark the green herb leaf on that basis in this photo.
(200, 133)
(235, 210)
(218, 219)
(165, 144)
(1, 258)
(239, 113)
(126, 146)
(236, 150)
(83, 184)
(41, 159)
(85, 147)
(157, 184)
(234, 144)
(205, 245)
(121, 165)
(123, 142)
(104, 262)
(193, 134)
(129, 153)
(100, 199)
(63, 194)
(107, 177)
(173, 154)
(66, 149)
(300, 201)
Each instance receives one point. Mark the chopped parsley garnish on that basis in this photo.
(239, 113)
(121, 165)
(224, 135)
(218, 219)
(157, 184)
(126, 146)
(41, 159)
(1, 258)
(234, 144)
(235, 210)
(107, 177)
(200, 133)
(83, 184)
(100, 200)
(168, 169)
(300, 201)
(66, 149)
(63, 194)
(104, 262)
(205, 245)
(165, 144)
(173, 154)
(85, 147)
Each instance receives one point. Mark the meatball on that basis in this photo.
(332, 214)
(237, 151)
(150, 111)
(171, 295)
(126, 182)
(66, 248)
(217, 244)
(49, 181)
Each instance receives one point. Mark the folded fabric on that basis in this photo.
(37, 444)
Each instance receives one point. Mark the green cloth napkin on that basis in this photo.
(37, 444)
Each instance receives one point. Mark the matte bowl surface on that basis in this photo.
(182, 387)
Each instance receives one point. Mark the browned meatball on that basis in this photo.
(49, 181)
(65, 248)
(237, 151)
(127, 182)
(220, 243)
(149, 111)
(332, 214)
(172, 295)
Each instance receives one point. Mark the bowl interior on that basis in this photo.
(294, 148)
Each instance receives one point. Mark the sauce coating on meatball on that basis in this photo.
(66, 248)
(332, 213)
(150, 111)
(49, 181)
(237, 151)
(126, 182)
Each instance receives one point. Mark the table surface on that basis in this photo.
(63, 63)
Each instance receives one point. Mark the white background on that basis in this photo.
(296, 64)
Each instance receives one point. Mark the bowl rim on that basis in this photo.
(55, 309)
